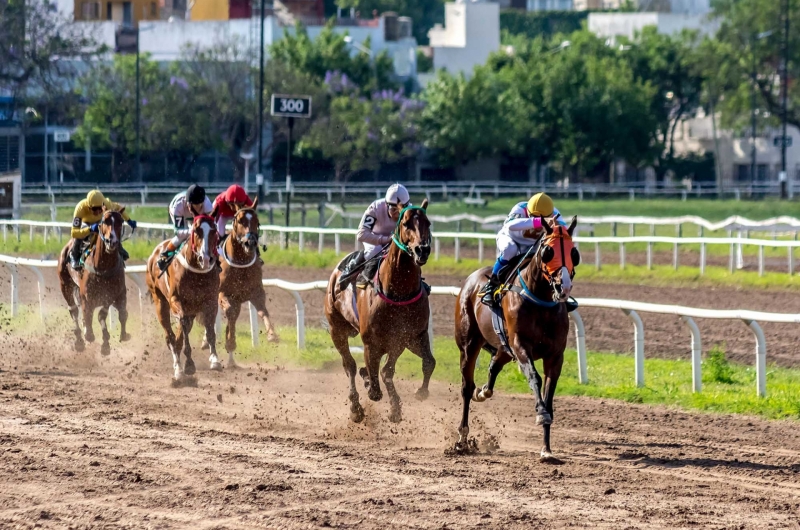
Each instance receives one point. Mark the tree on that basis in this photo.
(360, 133)
(39, 47)
(750, 35)
(329, 52)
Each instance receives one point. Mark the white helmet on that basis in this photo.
(397, 193)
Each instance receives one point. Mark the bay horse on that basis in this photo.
(240, 280)
(536, 327)
(391, 315)
(187, 290)
(101, 283)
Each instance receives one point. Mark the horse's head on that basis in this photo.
(413, 232)
(204, 240)
(110, 230)
(557, 258)
(245, 227)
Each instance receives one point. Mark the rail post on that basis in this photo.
(14, 288)
(458, 249)
(697, 351)
(791, 260)
(321, 243)
(638, 345)
(622, 256)
(597, 256)
(761, 357)
(142, 290)
(301, 241)
(40, 285)
(480, 250)
(580, 343)
(649, 255)
(761, 260)
(253, 324)
(300, 311)
(436, 245)
(337, 240)
(702, 259)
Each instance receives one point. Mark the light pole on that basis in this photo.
(784, 96)
(363, 49)
(139, 31)
(753, 124)
(260, 174)
(247, 157)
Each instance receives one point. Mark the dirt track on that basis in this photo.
(109, 444)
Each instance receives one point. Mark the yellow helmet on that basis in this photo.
(541, 205)
(95, 199)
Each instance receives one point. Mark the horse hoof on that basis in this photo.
(79, 346)
(466, 447)
(88, 337)
(545, 456)
(205, 345)
(105, 349)
(357, 416)
(375, 396)
(273, 338)
(421, 394)
(544, 419)
(216, 366)
(364, 374)
(482, 394)
(125, 337)
(184, 380)
(189, 368)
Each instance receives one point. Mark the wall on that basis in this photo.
(470, 35)
(550, 5)
(210, 10)
(627, 24)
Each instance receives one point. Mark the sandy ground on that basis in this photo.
(87, 442)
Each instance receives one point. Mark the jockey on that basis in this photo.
(512, 240)
(182, 210)
(88, 213)
(375, 232)
(226, 204)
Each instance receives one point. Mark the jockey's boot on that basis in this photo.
(165, 257)
(75, 255)
(349, 269)
(488, 290)
(124, 254)
(368, 273)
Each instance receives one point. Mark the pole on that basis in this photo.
(138, 146)
(260, 181)
(784, 95)
(753, 116)
(289, 177)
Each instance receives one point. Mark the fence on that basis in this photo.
(735, 245)
(631, 309)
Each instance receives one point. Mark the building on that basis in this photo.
(471, 32)
(128, 12)
(550, 5)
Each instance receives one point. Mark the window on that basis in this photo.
(153, 10)
(9, 153)
(127, 14)
(109, 14)
(90, 10)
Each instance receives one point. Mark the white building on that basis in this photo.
(628, 24)
(550, 5)
(470, 34)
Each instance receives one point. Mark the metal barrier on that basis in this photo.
(631, 309)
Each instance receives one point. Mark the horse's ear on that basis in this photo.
(548, 254)
(424, 206)
(546, 226)
(572, 225)
(255, 204)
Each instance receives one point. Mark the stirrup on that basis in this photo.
(75, 264)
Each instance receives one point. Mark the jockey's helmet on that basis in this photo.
(541, 205)
(95, 199)
(397, 193)
(196, 194)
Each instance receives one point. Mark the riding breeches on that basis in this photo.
(508, 249)
(182, 230)
(370, 251)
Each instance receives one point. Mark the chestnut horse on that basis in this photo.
(240, 280)
(391, 315)
(101, 283)
(536, 323)
(188, 289)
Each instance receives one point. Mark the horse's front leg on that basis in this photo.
(421, 347)
(186, 324)
(209, 321)
(121, 304)
(102, 317)
(500, 359)
(552, 372)
(369, 372)
(231, 315)
(88, 312)
(387, 374)
(524, 358)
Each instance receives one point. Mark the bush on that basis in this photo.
(716, 368)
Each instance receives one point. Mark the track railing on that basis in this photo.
(307, 234)
(631, 309)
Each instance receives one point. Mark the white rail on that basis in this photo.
(631, 309)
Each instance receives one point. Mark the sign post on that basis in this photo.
(290, 107)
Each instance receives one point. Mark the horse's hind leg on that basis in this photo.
(121, 304)
(372, 360)
(231, 314)
(72, 297)
(387, 374)
(552, 371)
(421, 347)
(470, 349)
(162, 313)
(339, 335)
(186, 324)
(88, 312)
(102, 317)
(259, 303)
(209, 319)
(500, 359)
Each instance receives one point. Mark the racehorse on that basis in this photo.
(536, 327)
(391, 315)
(101, 283)
(240, 280)
(188, 290)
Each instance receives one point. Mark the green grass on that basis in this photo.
(727, 387)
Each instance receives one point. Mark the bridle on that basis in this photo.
(396, 239)
(251, 237)
(212, 244)
(107, 242)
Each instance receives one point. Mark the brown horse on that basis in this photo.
(391, 315)
(536, 321)
(101, 283)
(240, 280)
(187, 290)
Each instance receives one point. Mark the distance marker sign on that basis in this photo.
(291, 106)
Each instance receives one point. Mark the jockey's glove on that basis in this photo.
(95, 228)
(132, 223)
